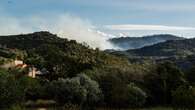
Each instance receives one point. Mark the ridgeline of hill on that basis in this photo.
(126, 43)
(167, 49)
(46, 50)
(181, 52)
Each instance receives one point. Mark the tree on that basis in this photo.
(136, 96)
(32, 87)
(184, 97)
(94, 94)
(117, 88)
(67, 91)
(163, 79)
(114, 88)
(10, 91)
(77, 90)
(190, 75)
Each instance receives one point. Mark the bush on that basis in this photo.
(117, 90)
(16, 107)
(94, 93)
(161, 81)
(67, 90)
(190, 75)
(32, 87)
(137, 97)
(77, 90)
(70, 106)
(11, 92)
(184, 97)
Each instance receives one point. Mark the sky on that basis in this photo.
(109, 18)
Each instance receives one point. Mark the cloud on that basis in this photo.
(64, 25)
(129, 27)
(171, 7)
(143, 30)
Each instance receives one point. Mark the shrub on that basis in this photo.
(137, 97)
(67, 90)
(94, 93)
(161, 81)
(70, 106)
(16, 107)
(32, 87)
(190, 75)
(184, 97)
(77, 90)
(10, 91)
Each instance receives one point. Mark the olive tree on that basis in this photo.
(77, 90)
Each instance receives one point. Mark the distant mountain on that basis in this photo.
(181, 52)
(167, 49)
(126, 43)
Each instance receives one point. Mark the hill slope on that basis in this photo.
(168, 48)
(181, 52)
(61, 57)
(138, 42)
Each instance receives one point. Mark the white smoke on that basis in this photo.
(66, 26)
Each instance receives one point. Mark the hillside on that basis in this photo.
(73, 73)
(126, 43)
(167, 49)
(61, 57)
(181, 52)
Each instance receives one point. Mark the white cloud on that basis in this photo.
(128, 27)
(143, 30)
(172, 7)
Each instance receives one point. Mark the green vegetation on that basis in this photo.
(79, 77)
(184, 97)
(78, 90)
(168, 49)
(10, 91)
(126, 43)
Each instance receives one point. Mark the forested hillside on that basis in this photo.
(126, 43)
(169, 48)
(85, 78)
(45, 50)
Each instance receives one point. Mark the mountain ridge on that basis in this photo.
(126, 43)
(46, 50)
(168, 48)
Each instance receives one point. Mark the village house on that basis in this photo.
(32, 71)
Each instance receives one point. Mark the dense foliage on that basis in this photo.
(77, 90)
(168, 48)
(85, 77)
(10, 91)
(184, 97)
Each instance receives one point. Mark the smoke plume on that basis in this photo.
(65, 25)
